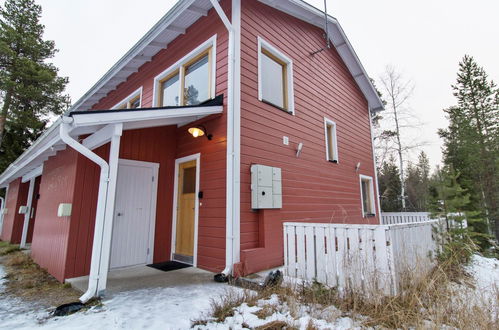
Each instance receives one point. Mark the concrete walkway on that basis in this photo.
(143, 277)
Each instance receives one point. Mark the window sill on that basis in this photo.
(333, 161)
(276, 106)
(369, 215)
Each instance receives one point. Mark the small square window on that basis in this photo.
(275, 77)
(367, 196)
(331, 140)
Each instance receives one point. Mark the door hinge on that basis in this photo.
(147, 251)
(153, 179)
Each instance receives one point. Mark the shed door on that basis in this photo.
(134, 214)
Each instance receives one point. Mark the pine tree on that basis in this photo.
(471, 142)
(389, 186)
(451, 202)
(30, 89)
(417, 184)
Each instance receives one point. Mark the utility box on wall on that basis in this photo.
(266, 187)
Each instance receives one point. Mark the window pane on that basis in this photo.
(272, 81)
(189, 186)
(171, 95)
(366, 196)
(330, 146)
(134, 104)
(197, 82)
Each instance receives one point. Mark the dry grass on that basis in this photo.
(6, 248)
(277, 325)
(28, 281)
(444, 297)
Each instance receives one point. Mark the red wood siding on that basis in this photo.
(314, 189)
(163, 145)
(51, 233)
(13, 221)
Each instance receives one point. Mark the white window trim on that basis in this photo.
(133, 95)
(335, 140)
(210, 43)
(371, 189)
(289, 63)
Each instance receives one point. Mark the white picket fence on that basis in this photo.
(358, 256)
(390, 218)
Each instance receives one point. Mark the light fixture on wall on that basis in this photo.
(199, 130)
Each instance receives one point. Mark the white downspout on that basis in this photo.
(27, 215)
(1, 209)
(233, 138)
(101, 207)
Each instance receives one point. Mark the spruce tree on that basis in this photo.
(471, 142)
(31, 92)
(389, 186)
(417, 184)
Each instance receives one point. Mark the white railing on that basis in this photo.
(357, 256)
(389, 218)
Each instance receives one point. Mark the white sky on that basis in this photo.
(423, 39)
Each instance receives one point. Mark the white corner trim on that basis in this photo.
(178, 162)
(334, 137)
(289, 62)
(371, 189)
(133, 95)
(211, 42)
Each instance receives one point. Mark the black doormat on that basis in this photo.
(169, 265)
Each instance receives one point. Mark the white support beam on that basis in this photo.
(176, 29)
(158, 44)
(198, 10)
(100, 137)
(107, 229)
(32, 174)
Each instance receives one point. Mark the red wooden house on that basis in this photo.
(225, 120)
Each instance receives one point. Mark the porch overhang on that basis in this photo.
(96, 124)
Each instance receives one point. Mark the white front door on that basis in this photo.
(134, 214)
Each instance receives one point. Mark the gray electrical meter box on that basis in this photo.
(266, 187)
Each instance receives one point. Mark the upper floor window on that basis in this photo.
(191, 80)
(275, 77)
(367, 196)
(331, 140)
(132, 101)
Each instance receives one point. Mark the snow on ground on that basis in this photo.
(297, 316)
(158, 308)
(175, 307)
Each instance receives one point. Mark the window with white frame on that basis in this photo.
(367, 196)
(331, 140)
(275, 77)
(132, 101)
(190, 81)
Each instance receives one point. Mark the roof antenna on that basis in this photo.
(326, 28)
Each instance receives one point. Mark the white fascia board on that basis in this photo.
(315, 16)
(114, 117)
(48, 139)
(157, 29)
(33, 174)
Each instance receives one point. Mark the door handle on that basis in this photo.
(119, 214)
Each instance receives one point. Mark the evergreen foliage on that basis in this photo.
(31, 92)
(471, 141)
(389, 186)
(417, 184)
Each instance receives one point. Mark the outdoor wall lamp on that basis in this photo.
(199, 130)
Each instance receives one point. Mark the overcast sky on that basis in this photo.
(424, 40)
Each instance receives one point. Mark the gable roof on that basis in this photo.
(187, 12)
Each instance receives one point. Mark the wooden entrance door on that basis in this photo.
(186, 211)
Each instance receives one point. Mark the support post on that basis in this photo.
(109, 215)
(27, 215)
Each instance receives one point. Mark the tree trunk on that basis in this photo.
(399, 150)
